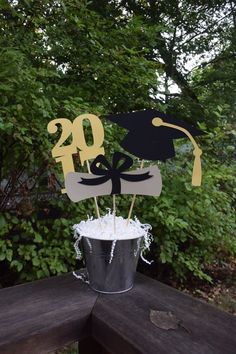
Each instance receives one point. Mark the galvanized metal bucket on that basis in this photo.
(111, 266)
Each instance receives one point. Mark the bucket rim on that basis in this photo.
(111, 238)
(112, 292)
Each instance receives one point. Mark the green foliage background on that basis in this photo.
(62, 59)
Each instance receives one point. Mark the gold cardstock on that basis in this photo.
(64, 153)
(89, 152)
(197, 152)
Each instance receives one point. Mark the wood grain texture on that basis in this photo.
(122, 323)
(44, 315)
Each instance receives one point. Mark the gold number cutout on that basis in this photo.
(63, 154)
(66, 125)
(88, 152)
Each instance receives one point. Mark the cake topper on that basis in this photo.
(151, 134)
(112, 179)
(64, 153)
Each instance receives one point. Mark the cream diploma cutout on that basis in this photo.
(64, 153)
(113, 180)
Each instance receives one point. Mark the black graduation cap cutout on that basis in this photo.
(151, 134)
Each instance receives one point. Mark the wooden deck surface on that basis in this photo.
(45, 315)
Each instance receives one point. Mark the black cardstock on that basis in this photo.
(114, 172)
(147, 141)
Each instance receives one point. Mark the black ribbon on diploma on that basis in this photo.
(113, 172)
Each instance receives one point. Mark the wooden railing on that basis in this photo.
(45, 315)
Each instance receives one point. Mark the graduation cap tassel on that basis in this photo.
(95, 198)
(197, 170)
(133, 200)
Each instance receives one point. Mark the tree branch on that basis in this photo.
(205, 29)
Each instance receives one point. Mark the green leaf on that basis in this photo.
(2, 256)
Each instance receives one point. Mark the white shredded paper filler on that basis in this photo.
(103, 229)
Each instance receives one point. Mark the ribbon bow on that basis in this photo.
(113, 172)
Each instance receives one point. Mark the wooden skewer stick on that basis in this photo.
(95, 198)
(133, 200)
(114, 211)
